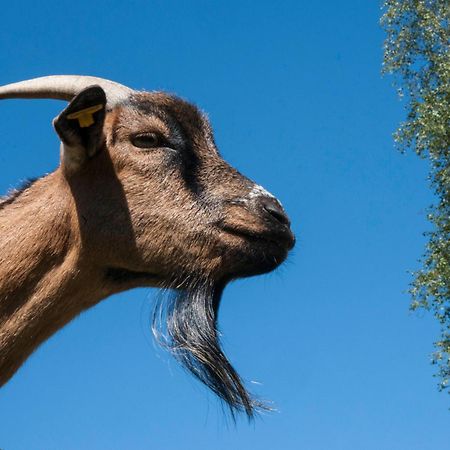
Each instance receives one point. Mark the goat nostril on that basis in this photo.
(276, 211)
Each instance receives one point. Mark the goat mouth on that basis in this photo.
(281, 237)
(255, 253)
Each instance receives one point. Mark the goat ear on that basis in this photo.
(80, 127)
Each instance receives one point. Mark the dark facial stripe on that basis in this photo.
(190, 162)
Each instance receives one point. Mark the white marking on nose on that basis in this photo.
(259, 191)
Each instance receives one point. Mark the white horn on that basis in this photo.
(64, 87)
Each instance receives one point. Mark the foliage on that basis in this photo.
(417, 52)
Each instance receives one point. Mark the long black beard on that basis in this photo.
(186, 324)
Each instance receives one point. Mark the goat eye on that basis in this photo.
(146, 140)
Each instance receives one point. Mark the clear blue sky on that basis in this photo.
(294, 92)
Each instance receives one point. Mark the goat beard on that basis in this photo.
(185, 322)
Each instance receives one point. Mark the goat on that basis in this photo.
(141, 198)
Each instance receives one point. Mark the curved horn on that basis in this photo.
(63, 87)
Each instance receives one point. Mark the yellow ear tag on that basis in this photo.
(85, 117)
